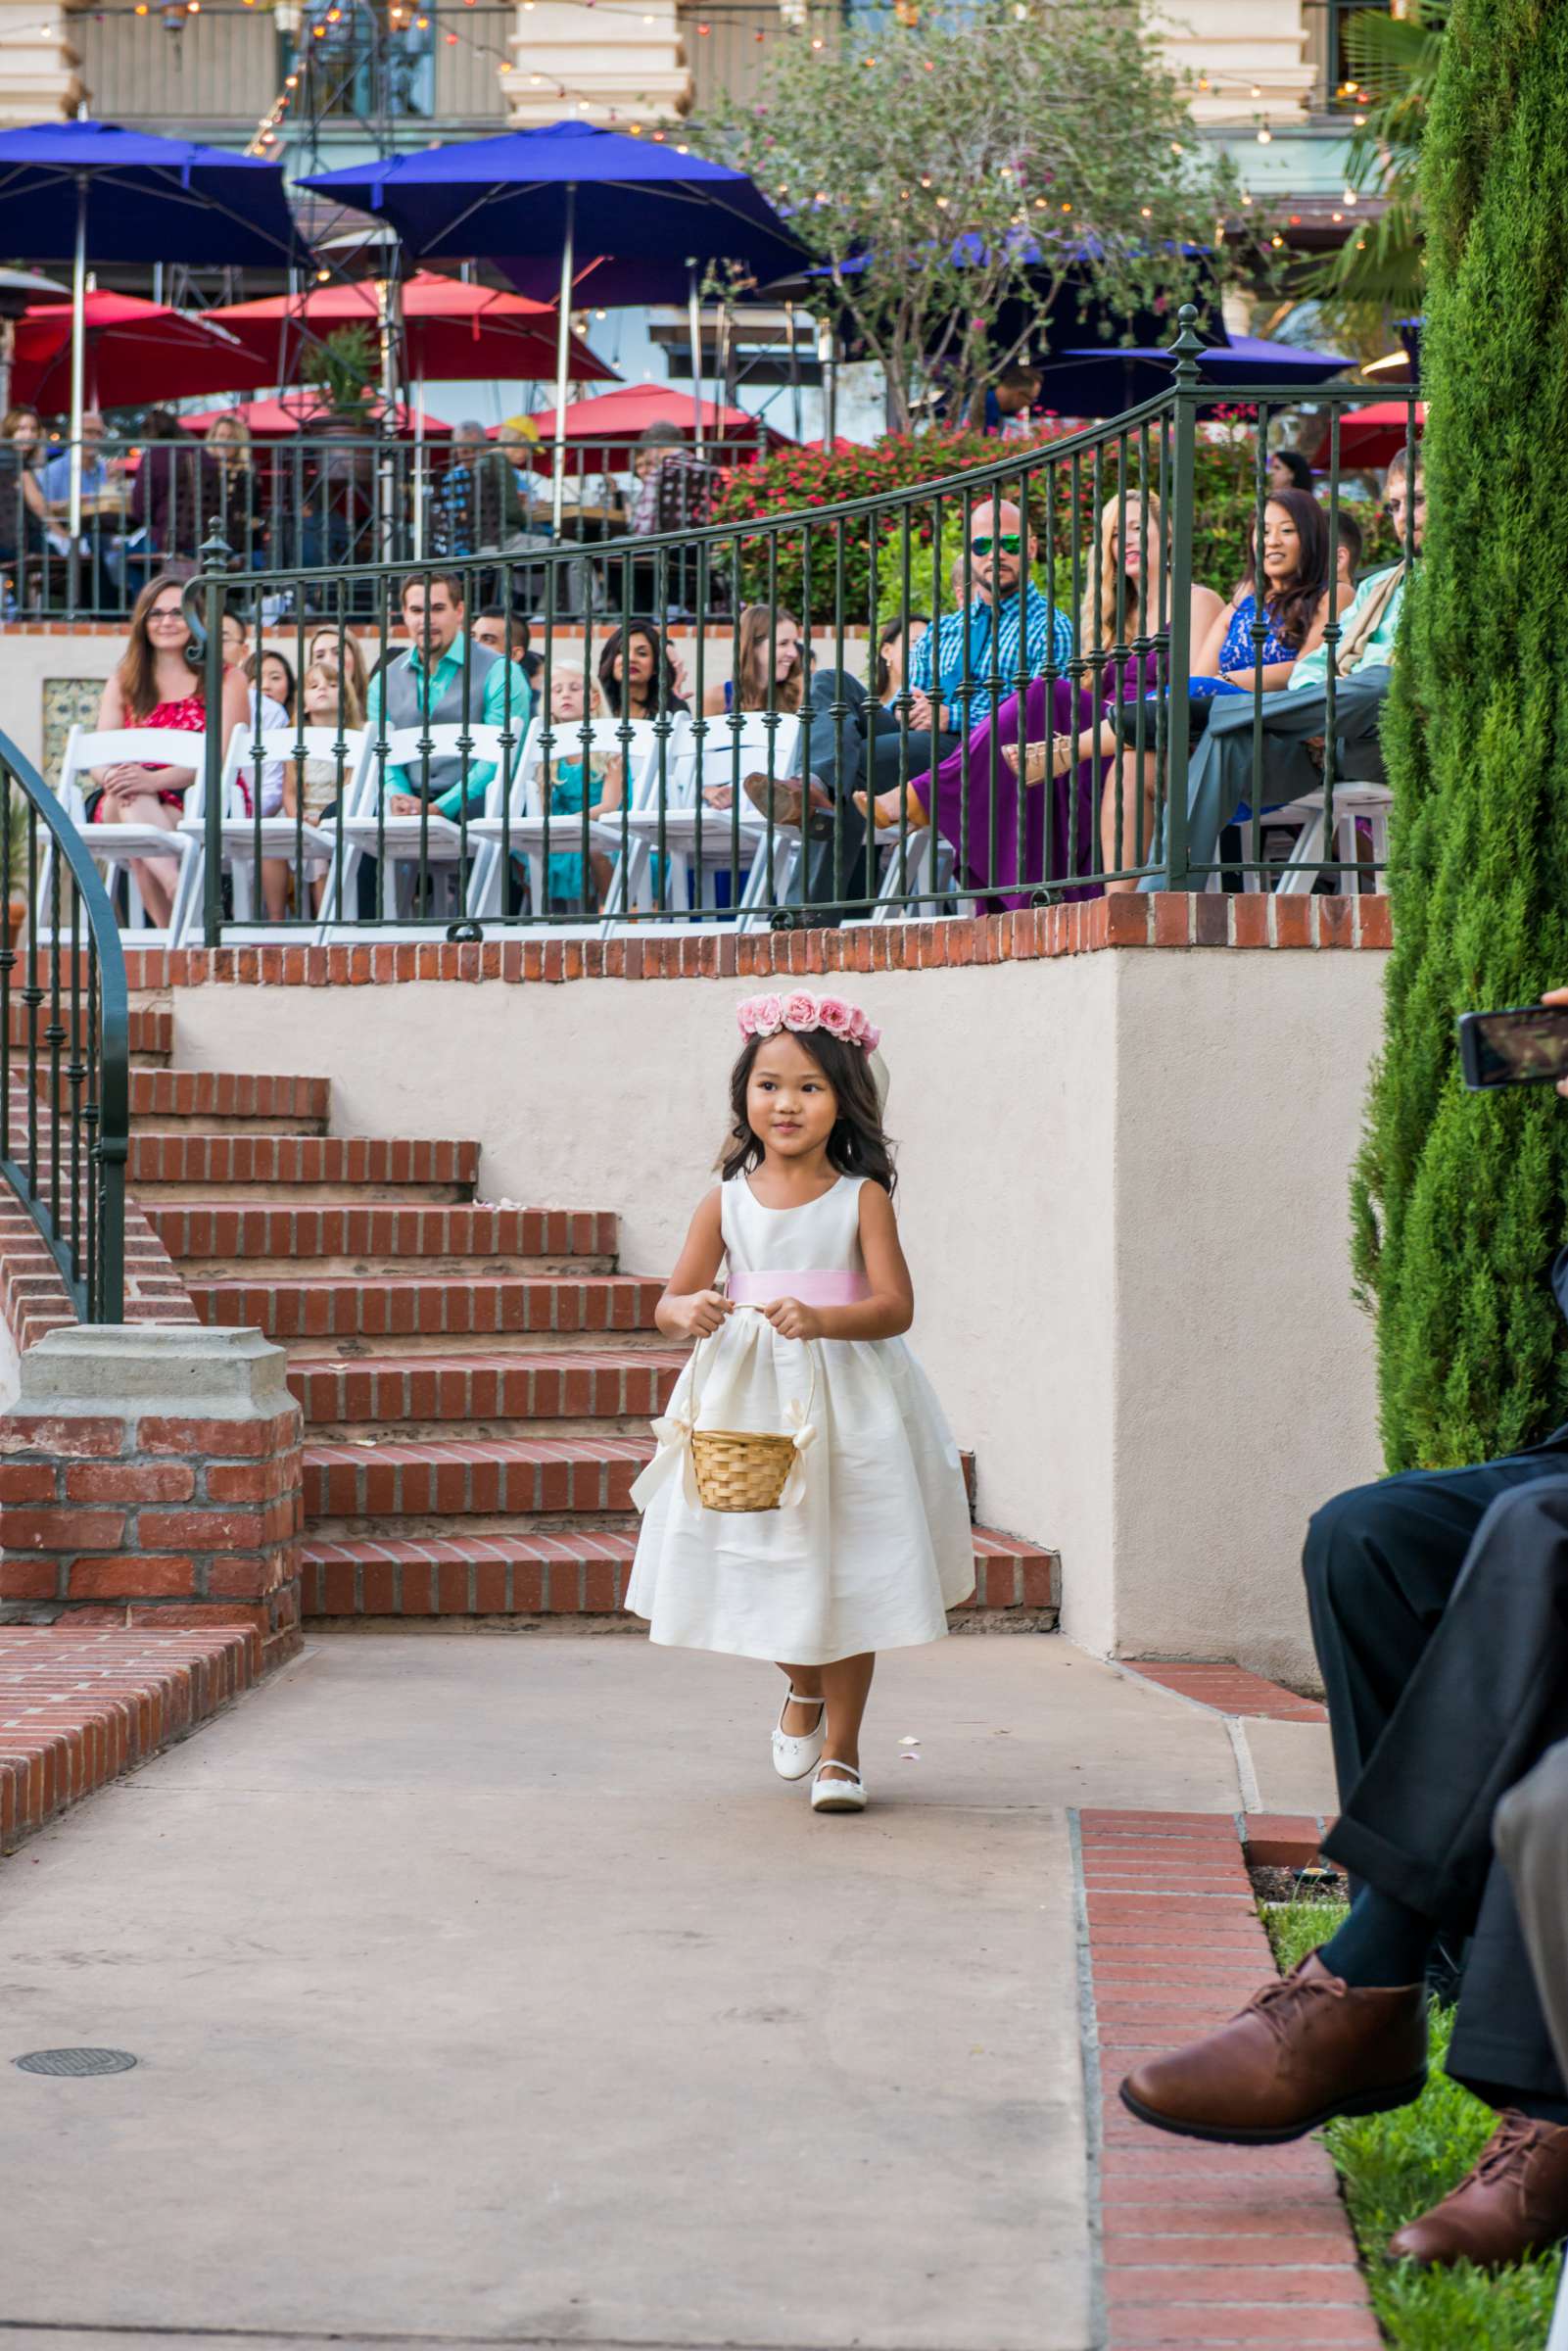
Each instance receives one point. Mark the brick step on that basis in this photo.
(568, 1574)
(187, 1166)
(150, 1032)
(251, 1238)
(491, 1478)
(426, 1316)
(228, 1101)
(477, 1395)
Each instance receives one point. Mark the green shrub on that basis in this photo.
(1460, 1198)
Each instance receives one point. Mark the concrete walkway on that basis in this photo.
(492, 1988)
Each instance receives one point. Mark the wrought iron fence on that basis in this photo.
(64, 1060)
(1000, 689)
(324, 499)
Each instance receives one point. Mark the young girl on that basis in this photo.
(872, 1543)
(314, 783)
(574, 780)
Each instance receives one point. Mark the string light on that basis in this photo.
(1266, 137)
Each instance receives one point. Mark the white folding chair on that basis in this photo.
(114, 848)
(1557, 2340)
(922, 864)
(244, 842)
(697, 840)
(1370, 802)
(405, 843)
(525, 832)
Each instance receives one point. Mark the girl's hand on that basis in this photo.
(700, 1315)
(792, 1320)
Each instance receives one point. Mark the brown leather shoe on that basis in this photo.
(1514, 2202)
(1304, 2050)
(783, 797)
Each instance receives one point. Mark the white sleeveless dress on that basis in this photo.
(873, 1544)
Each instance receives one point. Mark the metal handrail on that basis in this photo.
(67, 1164)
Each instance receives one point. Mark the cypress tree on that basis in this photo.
(1460, 1199)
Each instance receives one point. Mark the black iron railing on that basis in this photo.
(735, 722)
(64, 1059)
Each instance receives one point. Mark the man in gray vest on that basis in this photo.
(445, 677)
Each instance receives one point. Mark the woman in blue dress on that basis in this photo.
(1252, 645)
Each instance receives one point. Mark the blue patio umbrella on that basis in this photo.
(1100, 381)
(91, 192)
(566, 190)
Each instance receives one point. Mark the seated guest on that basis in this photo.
(675, 487)
(966, 665)
(178, 491)
(1350, 544)
(1288, 469)
(266, 712)
(509, 633)
(443, 679)
(478, 508)
(579, 778)
(1007, 401)
(312, 787)
(102, 494)
(1066, 730)
(1438, 1602)
(653, 679)
(1254, 640)
(895, 645)
(1220, 775)
(157, 684)
(23, 507)
(343, 649)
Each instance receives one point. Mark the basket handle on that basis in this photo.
(742, 1308)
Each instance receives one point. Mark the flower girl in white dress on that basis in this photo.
(872, 1543)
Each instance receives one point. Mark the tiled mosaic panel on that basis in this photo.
(66, 702)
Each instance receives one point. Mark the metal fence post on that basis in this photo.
(1188, 391)
(214, 580)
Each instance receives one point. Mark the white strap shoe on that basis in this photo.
(837, 1795)
(792, 1758)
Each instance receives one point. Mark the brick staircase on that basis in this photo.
(477, 1382)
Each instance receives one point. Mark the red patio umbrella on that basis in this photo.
(136, 352)
(450, 332)
(301, 412)
(1374, 435)
(601, 432)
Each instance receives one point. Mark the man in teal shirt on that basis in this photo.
(443, 679)
(1220, 775)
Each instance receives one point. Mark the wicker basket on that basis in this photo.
(744, 1469)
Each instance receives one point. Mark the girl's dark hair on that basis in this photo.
(1293, 610)
(1296, 464)
(857, 1145)
(610, 684)
(251, 668)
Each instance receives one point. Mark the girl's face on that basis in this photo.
(233, 638)
(323, 645)
(791, 1107)
(274, 679)
(321, 693)
(1282, 544)
(27, 432)
(1134, 533)
(568, 694)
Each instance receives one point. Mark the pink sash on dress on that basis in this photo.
(811, 1288)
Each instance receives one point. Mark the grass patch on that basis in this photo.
(1396, 2166)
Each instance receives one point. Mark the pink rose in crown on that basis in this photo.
(746, 1017)
(770, 1015)
(836, 1017)
(799, 1010)
(873, 1036)
(858, 1023)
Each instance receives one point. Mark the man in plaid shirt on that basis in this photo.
(951, 689)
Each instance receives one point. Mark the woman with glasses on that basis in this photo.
(156, 685)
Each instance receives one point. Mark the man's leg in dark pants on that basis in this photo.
(1486, 1698)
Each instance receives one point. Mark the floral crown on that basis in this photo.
(766, 1015)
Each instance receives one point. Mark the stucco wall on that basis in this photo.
(1123, 1197)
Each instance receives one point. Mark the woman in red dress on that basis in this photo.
(156, 686)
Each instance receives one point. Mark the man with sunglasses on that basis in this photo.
(968, 662)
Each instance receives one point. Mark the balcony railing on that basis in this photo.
(224, 66)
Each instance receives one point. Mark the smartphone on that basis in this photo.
(1528, 1046)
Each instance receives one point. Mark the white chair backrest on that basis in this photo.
(292, 743)
(405, 748)
(737, 744)
(159, 746)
